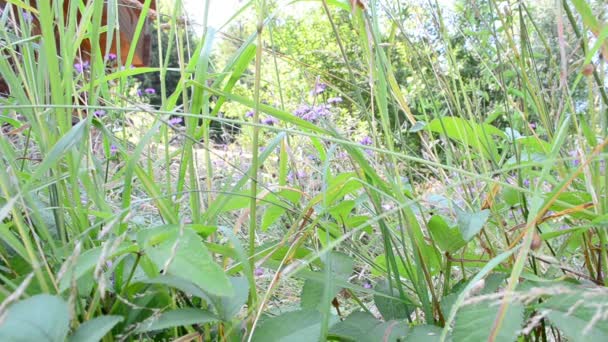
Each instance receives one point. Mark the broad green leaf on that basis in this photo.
(471, 223)
(424, 333)
(39, 318)
(179, 283)
(474, 322)
(576, 315)
(277, 205)
(447, 239)
(533, 145)
(177, 318)
(341, 267)
(95, 329)
(228, 307)
(363, 327)
(294, 326)
(478, 136)
(186, 256)
(342, 210)
(391, 308)
(86, 262)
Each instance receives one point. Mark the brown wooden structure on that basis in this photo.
(129, 12)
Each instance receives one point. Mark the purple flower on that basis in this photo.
(270, 121)
(111, 56)
(27, 16)
(312, 114)
(174, 121)
(81, 67)
(575, 162)
(113, 149)
(258, 272)
(99, 113)
(526, 182)
(249, 114)
(366, 141)
(150, 91)
(533, 125)
(334, 100)
(367, 285)
(319, 88)
(139, 93)
(301, 174)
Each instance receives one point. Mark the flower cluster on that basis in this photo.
(312, 113)
(82, 66)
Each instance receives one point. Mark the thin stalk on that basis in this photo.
(260, 7)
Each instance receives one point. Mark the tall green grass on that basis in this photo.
(493, 230)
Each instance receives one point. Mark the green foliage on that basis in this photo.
(404, 173)
(39, 318)
(179, 251)
(361, 326)
(95, 329)
(301, 325)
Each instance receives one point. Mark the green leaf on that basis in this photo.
(86, 262)
(477, 136)
(424, 333)
(39, 318)
(228, 307)
(95, 329)
(187, 257)
(342, 210)
(277, 205)
(179, 283)
(474, 322)
(295, 326)
(363, 327)
(391, 308)
(447, 239)
(341, 267)
(574, 314)
(471, 223)
(177, 318)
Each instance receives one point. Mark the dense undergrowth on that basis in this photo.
(399, 172)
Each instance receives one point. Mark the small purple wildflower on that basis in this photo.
(301, 174)
(111, 56)
(150, 91)
(533, 125)
(334, 100)
(366, 141)
(113, 149)
(270, 121)
(367, 285)
(319, 88)
(526, 182)
(81, 67)
(99, 113)
(249, 114)
(258, 272)
(174, 121)
(312, 114)
(27, 16)
(575, 162)
(139, 93)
